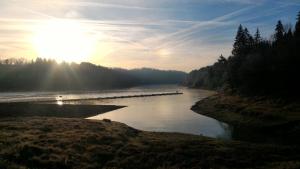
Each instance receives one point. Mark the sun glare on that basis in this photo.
(164, 53)
(63, 40)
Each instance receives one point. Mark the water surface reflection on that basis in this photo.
(166, 113)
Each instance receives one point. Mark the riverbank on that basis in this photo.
(44, 142)
(255, 119)
(28, 109)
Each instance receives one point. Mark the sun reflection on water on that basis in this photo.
(59, 100)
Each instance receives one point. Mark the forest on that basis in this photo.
(44, 74)
(257, 66)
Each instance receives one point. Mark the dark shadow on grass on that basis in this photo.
(53, 110)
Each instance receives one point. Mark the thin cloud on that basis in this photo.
(246, 2)
(211, 23)
(136, 30)
(100, 4)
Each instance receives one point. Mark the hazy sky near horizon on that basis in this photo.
(165, 34)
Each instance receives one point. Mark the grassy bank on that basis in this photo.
(255, 119)
(42, 142)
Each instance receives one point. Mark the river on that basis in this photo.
(169, 113)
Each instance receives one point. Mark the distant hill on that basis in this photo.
(48, 75)
(209, 77)
(154, 76)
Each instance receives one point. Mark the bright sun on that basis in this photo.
(63, 40)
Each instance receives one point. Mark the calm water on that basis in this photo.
(167, 113)
(160, 113)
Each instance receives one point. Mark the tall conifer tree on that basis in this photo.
(279, 32)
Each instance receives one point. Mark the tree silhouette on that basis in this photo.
(222, 59)
(257, 37)
(240, 42)
(249, 38)
(266, 68)
(297, 27)
(288, 36)
(279, 32)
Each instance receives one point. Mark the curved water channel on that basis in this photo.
(170, 113)
(166, 113)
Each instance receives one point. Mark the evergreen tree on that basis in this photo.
(222, 59)
(249, 40)
(240, 42)
(279, 32)
(289, 35)
(297, 27)
(269, 69)
(257, 37)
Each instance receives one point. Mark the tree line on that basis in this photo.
(256, 66)
(43, 74)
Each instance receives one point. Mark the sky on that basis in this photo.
(164, 34)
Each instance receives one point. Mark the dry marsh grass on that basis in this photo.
(44, 142)
(255, 119)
